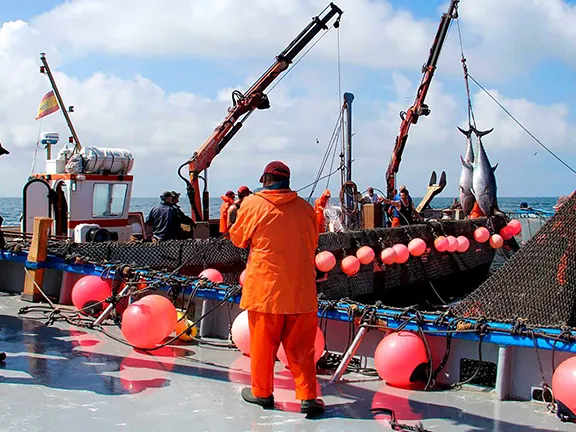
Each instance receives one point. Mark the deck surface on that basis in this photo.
(62, 378)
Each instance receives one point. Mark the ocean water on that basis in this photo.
(11, 208)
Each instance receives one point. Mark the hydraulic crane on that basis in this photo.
(419, 108)
(243, 105)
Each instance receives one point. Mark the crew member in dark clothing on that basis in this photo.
(184, 218)
(404, 211)
(164, 219)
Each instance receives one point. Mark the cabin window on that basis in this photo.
(109, 199)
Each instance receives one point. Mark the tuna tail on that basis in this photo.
(3, 151)
(494, 167)
(478, 133)
(468, 133)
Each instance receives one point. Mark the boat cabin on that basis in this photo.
(87, 194)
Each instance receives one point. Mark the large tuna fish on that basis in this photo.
(465, 184)
(484, 182)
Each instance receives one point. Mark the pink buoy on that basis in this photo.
(90, 292)
(452, 244)
(441, 244)
(350, 265)
(167, 314)
(563, 384)
(212, 275)
(365, 255)
(496, 241)
(388, 256)
(325, 261)
(402, 253)
(140, 325)
(241, 333)
(463, 244)
(319, 345)
(417, 247)
(242, 278)
(506, 233)
(516, 226)
(481, 234)
(397, 356)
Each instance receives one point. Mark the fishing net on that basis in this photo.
(437, 274)
(538, 283)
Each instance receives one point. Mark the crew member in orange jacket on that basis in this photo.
(475, 212)
(228, 199)
(279, 290)
(319, 206)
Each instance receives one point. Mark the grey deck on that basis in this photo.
(63, 378)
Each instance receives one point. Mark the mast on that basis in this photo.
(419, 108)
(46, 69)
(348, 98)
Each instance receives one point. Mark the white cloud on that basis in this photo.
(503, 39)
(164, 129)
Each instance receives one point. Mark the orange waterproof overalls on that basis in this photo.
(476, 212)
(319, 206)
(279, 290)
(224, 213)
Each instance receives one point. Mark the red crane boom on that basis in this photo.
(244, 105)
(419, 108)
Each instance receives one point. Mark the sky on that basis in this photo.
(156, 78)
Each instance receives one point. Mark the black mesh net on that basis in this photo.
(454, 274)
(538, 283)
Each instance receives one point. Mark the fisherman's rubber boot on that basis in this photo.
(267, 402)
(312, 407)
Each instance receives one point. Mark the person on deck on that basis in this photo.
(279, 291)
(164, 219)
(228, 200)
(243, 192)
(319, 207)
(184, 218)
(371, 197)
(475, 212)
(404, 211)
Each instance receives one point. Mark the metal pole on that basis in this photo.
(108, 310)
(348, 98)
(351, 352)
(77, 146)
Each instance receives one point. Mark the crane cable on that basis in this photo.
(467, 75)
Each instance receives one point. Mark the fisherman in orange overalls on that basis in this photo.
(476, 212)
(279, 292)
(228, 199)
(319, 206)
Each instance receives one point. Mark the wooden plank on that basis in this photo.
(38, 252)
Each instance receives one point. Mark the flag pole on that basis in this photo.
(46, 68)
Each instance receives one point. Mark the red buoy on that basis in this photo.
(167, 314)
(564, 383)
(242, 278)
(365, 255)
(402, 253)
(90, 292)
(388, 256)
(417, 247)
(516, 226)
(452, 244)
(441, 244)
(212, 275)
(325, 261)
(140, 325)
(481, 234)
(350, 265)
(241, 333)
(463, 244)
(397, 357)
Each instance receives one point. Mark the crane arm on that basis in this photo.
(419, 108)
(244, 104)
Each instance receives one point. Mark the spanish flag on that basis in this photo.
(48, 105)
